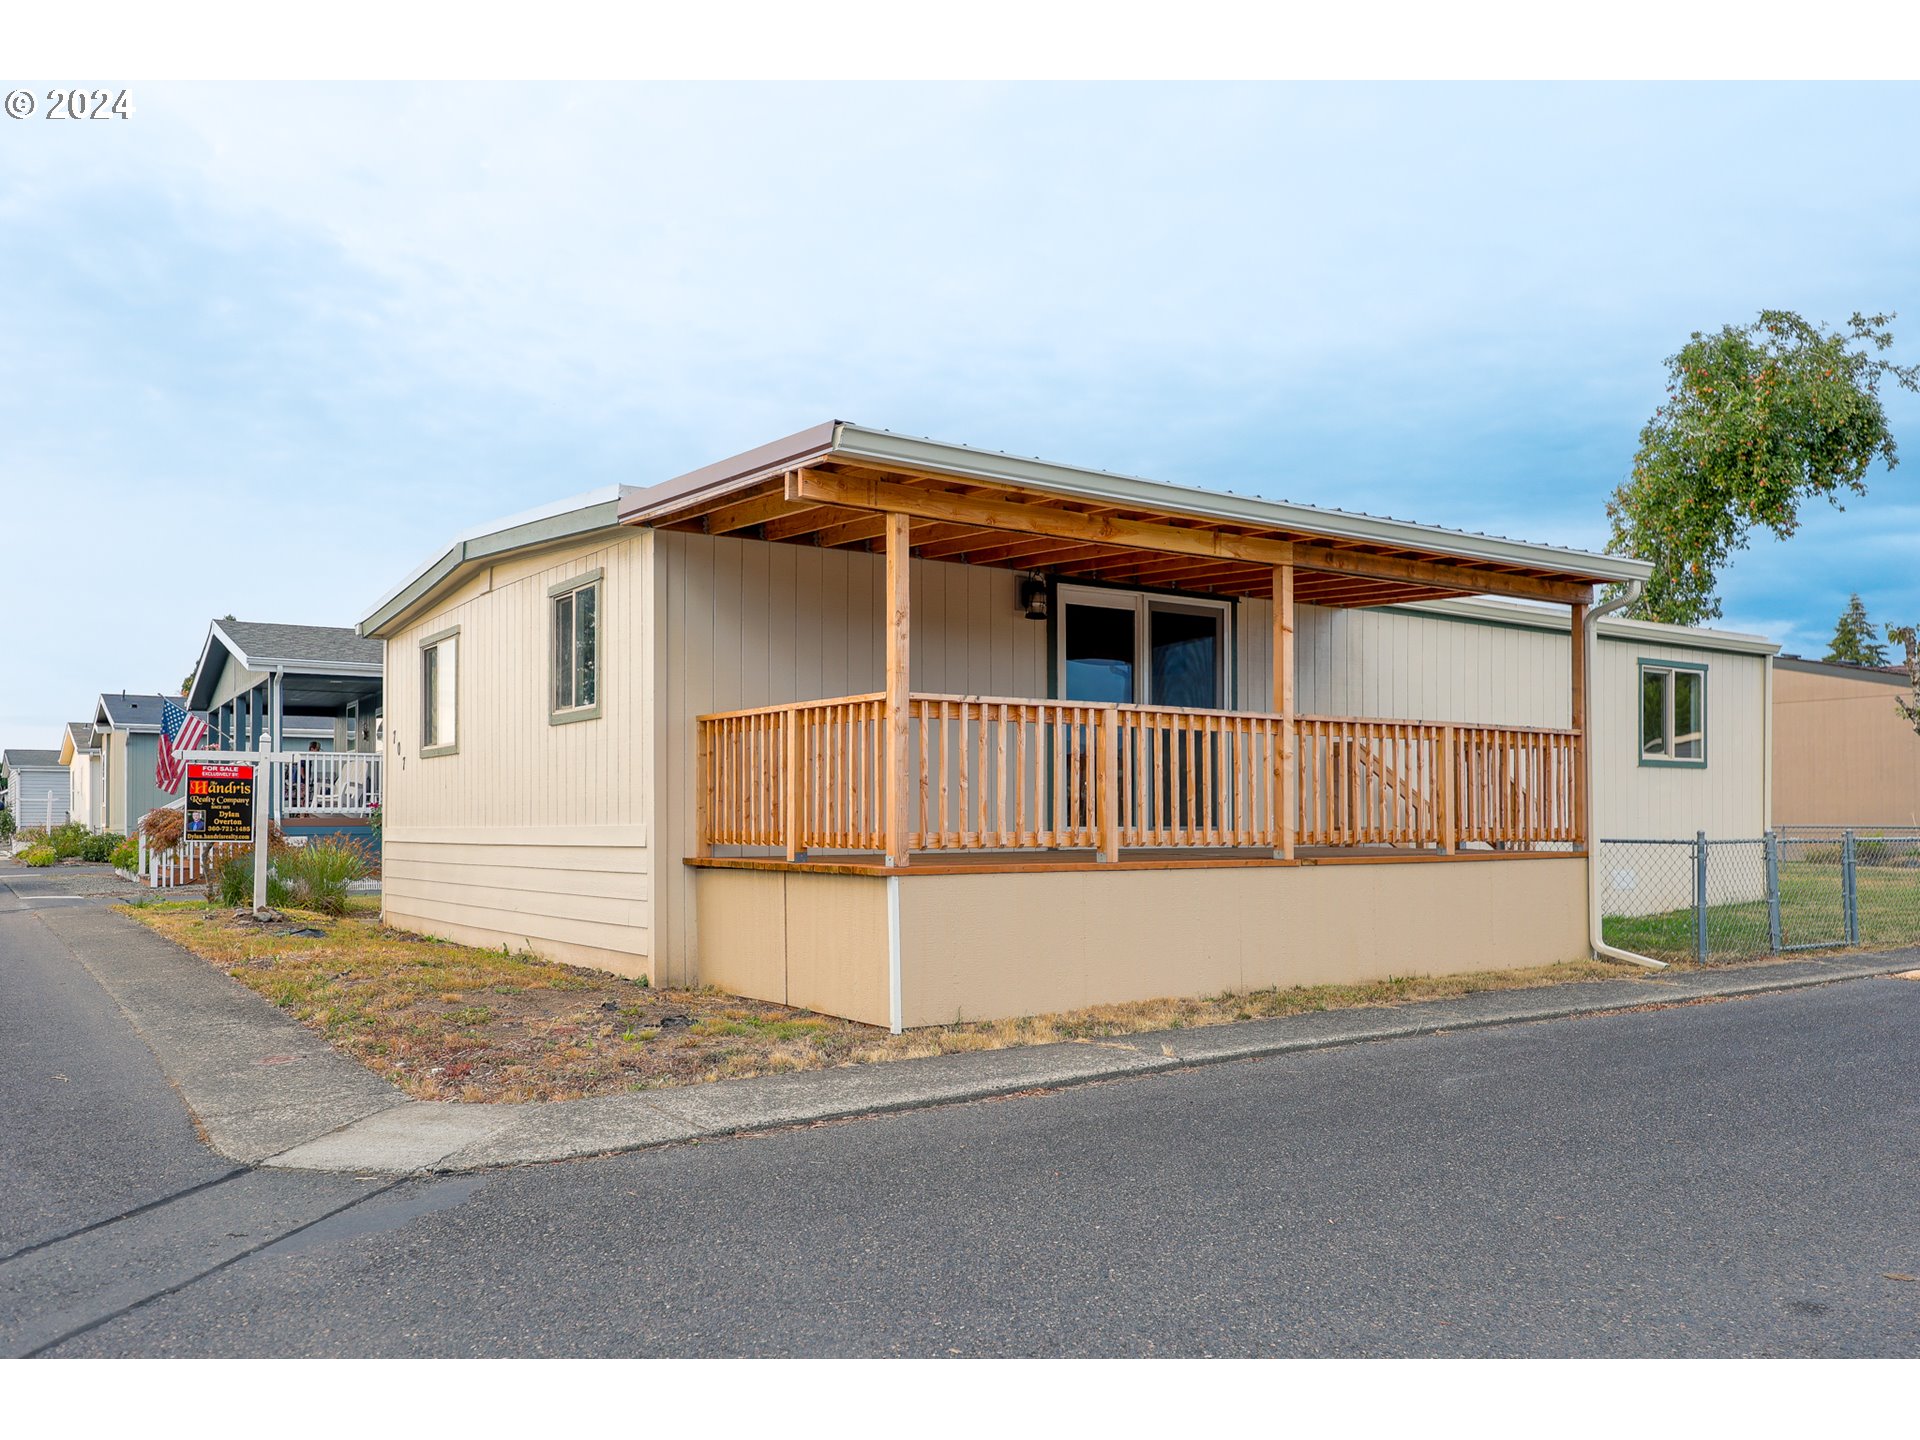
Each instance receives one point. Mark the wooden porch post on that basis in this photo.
(791, 780)
(1285, 787)
(1578, 724)
(899, 625)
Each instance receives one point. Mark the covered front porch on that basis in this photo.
(1151, 744)
(312, 693)
(1152, 811)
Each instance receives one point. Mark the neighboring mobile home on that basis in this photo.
(907, 732)
(37, 788)
(86, 795)
(129, 731)
(313, 690)
(1843, 752)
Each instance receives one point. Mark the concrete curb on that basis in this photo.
(268, 1091)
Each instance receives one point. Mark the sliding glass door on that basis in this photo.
(1121, 647)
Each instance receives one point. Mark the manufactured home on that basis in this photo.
(909, 732)
(37, 788)
(129, 729)
(86, 795)
(1843, 752)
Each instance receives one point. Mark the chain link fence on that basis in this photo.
(1808, 887)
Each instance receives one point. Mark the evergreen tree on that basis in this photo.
(1854, 641)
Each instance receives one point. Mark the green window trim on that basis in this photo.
(566, 591)
(1668, 738)
(428, 645)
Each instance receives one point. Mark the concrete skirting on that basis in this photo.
(907, 950)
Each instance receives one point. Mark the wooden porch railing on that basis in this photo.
(1015, 774)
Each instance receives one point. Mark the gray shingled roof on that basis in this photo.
(81, 733)
(28, 759)
(263, 643)
(131, 711)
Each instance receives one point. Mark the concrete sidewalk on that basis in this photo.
(267, 1091)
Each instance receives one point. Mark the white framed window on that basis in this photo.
(574, 649)
(440, 693)
(1673, 713)
(1130, 647)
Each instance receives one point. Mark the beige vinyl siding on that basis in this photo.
(113, 770)
(529, 834)
(1728, 796)
(86, 795)
(1843, 755)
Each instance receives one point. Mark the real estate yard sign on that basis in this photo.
(220, 802)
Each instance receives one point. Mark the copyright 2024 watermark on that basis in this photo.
(70, 104)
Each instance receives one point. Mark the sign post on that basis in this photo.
(260, 834)
(224, 803)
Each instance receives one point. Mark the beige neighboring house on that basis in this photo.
(910, 732)
(1843, 754)
(86, 789)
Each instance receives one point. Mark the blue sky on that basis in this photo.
(264, 349)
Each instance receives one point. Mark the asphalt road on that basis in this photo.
(1735, 1178)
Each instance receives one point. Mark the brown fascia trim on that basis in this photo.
(1895, 676)
(749, 467)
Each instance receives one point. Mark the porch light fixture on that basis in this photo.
(1033, 595)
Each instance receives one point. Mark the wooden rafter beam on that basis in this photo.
(862, 493)
(808, 522)
(1032, 552)
(866, 493)
(745, 514)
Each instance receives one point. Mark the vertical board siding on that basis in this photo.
(1728, 797)
(530, 833)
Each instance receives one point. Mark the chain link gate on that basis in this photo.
(1795, 889)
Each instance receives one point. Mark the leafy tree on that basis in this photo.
(1854, 642)
(1757, 418)
(1907, 637)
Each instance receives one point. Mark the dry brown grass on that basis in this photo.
(451, 1022)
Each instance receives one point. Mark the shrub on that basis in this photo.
(38, 855)
(126, 855)
(68, 840)
(162, 828)
(321, 871)
(99, 848)
(7, 824)
(230, 879)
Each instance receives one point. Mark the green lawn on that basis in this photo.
(1810, 914)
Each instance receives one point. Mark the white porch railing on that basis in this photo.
(334, 782)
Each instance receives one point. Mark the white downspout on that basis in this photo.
(1635, 588)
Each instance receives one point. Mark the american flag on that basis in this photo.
(180, 729)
